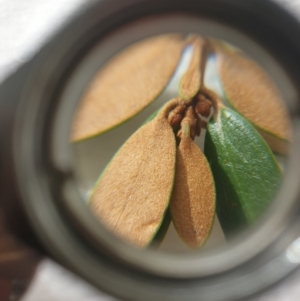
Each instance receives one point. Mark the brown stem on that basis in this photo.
(188, 125)
(198, 123)
(203, 105)
(176, 115)
(213, 97)
(169, 106)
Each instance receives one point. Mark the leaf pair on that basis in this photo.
(249, 90)
(133, 193)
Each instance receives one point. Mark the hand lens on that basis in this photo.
(143, 208)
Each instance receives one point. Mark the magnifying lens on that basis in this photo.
(153, 148)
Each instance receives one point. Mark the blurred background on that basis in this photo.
(24, 27)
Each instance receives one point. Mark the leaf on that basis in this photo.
(132, 195)
(193, 199)
(191, 80)
(250, 91)
(246, 173)
(126, 85)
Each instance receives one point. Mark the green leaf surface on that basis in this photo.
(246, 173)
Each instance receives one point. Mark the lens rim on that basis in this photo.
(43, 198)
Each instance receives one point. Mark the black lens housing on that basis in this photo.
(31, 185)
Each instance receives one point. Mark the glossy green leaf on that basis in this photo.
(246, 173)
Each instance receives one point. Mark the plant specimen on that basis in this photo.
(160, 167)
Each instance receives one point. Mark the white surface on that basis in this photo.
(24, 26)
(53, 283)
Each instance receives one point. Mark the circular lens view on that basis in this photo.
(180, 142)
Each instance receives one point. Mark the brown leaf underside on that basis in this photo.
(134, 191)
(251, 92)
(193, 199)
(127, 84)
(191, 80)
(279, 146)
